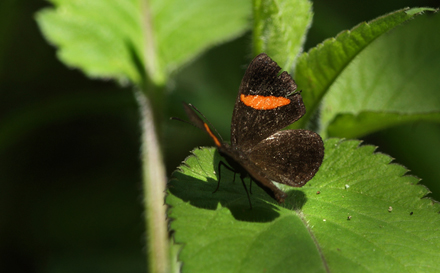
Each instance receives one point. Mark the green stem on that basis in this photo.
(154, 184)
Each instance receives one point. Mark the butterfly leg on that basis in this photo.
(244, 185)
(220, 173)
(250, 184)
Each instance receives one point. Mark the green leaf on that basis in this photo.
(318, 69)
(184, 29)
(103, 38)
(280, 28)
(123, 39)
(417, 146)
(346, 227)
(394, 81)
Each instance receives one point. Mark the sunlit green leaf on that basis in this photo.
(358, 214)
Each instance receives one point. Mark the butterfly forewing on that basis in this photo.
(198, 122)
(252, 121)
(291, 157)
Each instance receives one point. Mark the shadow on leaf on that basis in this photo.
(230, 195)
(295, 199)
(186, 185)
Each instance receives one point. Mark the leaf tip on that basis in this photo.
(419, 11)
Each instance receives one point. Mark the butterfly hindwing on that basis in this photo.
(290, 157)
(266, 103)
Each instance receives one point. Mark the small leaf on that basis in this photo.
(346, 227)
(317, 70)
(280, 28)
(393, 81)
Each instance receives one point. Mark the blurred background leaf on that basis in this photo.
(393, 81)
(102, 38)
(70, 183)
(281, 27)
(321, 66)
(118, 39)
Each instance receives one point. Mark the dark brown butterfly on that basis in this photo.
(266, 103)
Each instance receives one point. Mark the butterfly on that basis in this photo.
(267, 102)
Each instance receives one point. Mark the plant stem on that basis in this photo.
(154, 185)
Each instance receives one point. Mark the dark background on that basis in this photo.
(70, 183)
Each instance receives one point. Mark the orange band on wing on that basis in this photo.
(217, 143)
(264, 102)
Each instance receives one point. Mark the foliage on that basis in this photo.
(368, 215)
(122, 39)
(339, 221)
(363, 217)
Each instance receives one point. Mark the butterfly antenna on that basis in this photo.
(182, 120)
(206, 120)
